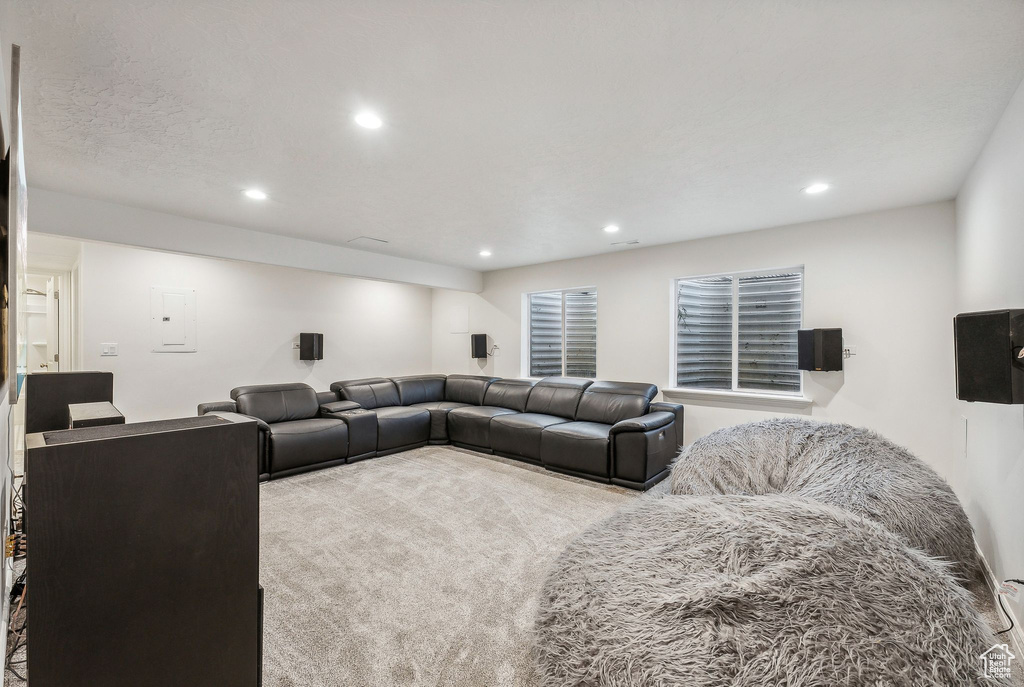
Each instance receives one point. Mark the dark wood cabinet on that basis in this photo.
(144, 557)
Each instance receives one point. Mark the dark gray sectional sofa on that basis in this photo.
(604, 431)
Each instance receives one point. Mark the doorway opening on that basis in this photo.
(43, 293)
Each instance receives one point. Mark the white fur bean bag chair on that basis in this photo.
(734, 591)
(839, 465)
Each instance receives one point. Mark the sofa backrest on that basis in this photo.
(509, 393)
(467, 388)
(276, 402)
(372, 392)
(610, 402)
(419, 388)
(557, 396)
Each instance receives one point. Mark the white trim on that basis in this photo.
(739, 397)
(992, 582)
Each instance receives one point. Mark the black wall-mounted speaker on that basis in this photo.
(311, 346)
(990, 356)
(479, 345)
(820, 350)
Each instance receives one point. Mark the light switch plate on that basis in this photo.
(108, 349)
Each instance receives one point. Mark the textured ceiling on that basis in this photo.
(520, 126)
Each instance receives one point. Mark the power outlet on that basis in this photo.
(108, 349)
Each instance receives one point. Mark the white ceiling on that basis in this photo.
(519, 126)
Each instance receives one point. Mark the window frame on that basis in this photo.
(526, 362)
(754, 396)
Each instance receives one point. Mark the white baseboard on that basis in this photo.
(1017, 633)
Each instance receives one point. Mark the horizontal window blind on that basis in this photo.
(739, 332)
(563, 333)
(581, 333)
(769, 316)
(704, 333)
(546, 334)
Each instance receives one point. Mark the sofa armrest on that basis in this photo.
(642, 449)
(326, 397)
(327, 409)
(677, 410)
(644, 423)
(225, 406)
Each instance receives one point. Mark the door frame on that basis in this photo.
(66, 317)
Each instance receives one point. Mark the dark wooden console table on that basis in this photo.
(145, 554)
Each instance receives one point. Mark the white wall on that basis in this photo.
(248, 316)
(990, 275)
(886, 278)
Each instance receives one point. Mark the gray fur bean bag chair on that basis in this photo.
(839, 465)
(735, 591)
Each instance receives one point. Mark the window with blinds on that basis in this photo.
(738, 332)
(563, 333)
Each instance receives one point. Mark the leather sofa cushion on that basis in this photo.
(518, 434)
(439, 417)
(399, 426)
(577, 447)
(467, 388)
(419, 389)
(471, 425)
(276, 402)
(373, 392)
(610, 402)
(300, 443)
(509, 393)
(557, 396)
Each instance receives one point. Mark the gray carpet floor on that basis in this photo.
(420, 568)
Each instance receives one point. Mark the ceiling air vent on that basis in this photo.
(631, 242)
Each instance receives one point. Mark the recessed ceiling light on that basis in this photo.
(369, 120)
(255, 194)
(611, 229)
(485, 253)
(819, 187)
